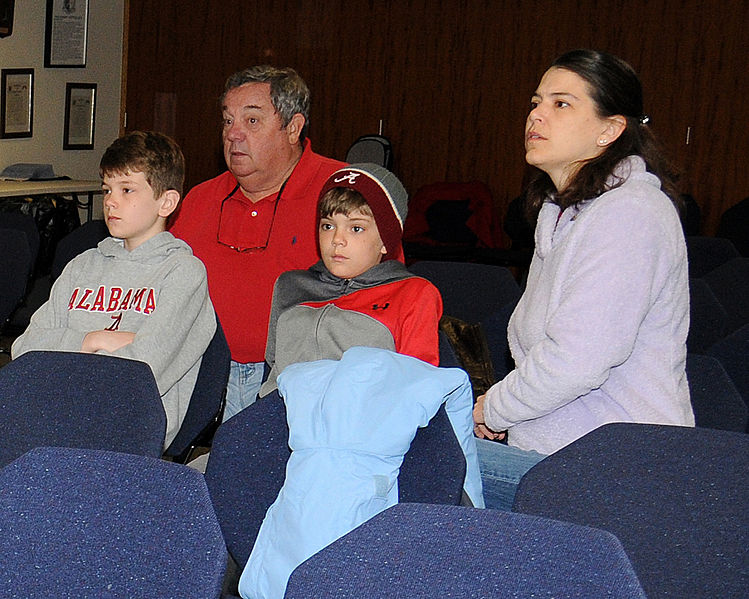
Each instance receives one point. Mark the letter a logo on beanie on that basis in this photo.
(350, 177)
(384, 194)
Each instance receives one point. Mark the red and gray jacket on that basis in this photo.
(316, 315)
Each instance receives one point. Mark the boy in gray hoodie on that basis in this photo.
(140, 294)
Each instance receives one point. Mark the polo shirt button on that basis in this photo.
(254, 213)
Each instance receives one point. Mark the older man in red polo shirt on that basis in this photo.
(257, 219)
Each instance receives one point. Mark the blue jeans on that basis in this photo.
(502, 467)
(244, 384)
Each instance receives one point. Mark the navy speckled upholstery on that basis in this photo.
(26, 224)
(715, 400)
(97, 524)
(733, 354)
(246, 469)
(15, 268)
(73, 399)
(415, 551)
(708, 320)
(207, 401)
(730, 284)
(707, 253)
(676, 497)
(469, 291)
(483, 294)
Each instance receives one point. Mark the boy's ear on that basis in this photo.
(169, 202)
(383, 250)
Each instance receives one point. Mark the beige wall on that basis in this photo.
(25, 49)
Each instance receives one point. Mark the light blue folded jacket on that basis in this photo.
(351, 421)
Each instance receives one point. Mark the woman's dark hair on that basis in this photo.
(616, 90)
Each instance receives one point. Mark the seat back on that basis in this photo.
(207, 402)
(413, 551)
(708, 320)
(469, 291)
(733, 354)
(247, 468)
(26, 224)
(730, 284)
(15, 268)
(69, 399)
(715, 400)
(91, 524)
(674, 496)
(706, 253)
(376, 149)
(434, 450)
(83, 238)
(448, 357)
(479, 294)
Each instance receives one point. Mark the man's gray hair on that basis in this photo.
(289, 93)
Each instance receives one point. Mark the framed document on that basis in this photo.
(66, 33)
(80, 116)
(17, 103)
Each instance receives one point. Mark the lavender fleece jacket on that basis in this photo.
(158, 291)
(600, 333)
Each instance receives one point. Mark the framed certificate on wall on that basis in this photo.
(66, 33)
(17, 103)
(80, 116)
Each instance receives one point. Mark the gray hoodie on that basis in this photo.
(158, 291)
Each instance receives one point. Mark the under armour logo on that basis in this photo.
(350, 177)
(385, 306)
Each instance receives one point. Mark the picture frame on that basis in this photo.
(17, 103)
(6, 17)
(80, 116)
(66, 34)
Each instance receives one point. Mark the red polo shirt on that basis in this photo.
(241, 282)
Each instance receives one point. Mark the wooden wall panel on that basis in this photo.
(451, 79)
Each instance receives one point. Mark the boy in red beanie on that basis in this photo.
(360, 293)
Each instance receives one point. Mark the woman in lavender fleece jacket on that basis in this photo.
(600, 332)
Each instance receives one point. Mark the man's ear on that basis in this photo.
(615, 126)
(169, 202)
(294, 128)
(383, 250)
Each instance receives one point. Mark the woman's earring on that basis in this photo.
(603, 142)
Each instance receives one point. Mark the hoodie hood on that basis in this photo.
(152, 251)
(318, 284)
(380, 274)
(553, 226)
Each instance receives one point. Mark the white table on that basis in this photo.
(63, 187)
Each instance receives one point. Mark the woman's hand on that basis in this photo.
(479, 426)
